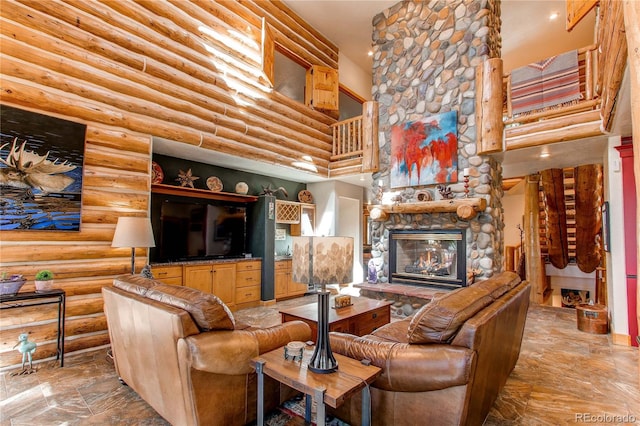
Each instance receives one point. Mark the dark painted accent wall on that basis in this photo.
(262, 241)
(229, 177)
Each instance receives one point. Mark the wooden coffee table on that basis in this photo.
(362, 317)
(332, 389)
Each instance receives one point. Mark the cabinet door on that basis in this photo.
(224, 282)
(295, 288)
(281, 280)
(321, 88)
(307, 224)
(199, 277)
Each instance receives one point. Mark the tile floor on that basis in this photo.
(563, 376)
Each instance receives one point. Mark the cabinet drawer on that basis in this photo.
(344, 326)
(250, 265)
(247, 278)
(366, 323)
(168, 274)
(248, 294)
(282, 264)
(171, 280)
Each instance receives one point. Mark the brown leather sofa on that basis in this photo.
(182, 352)
(446, 364)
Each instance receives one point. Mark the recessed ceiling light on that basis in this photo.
(553, 16)
(544, 155)
(370, 53)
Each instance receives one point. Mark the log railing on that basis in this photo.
(355, 143)
(347, 138)
(502, 130)
(588, 77)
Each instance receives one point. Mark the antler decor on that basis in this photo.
(267, 190)
(26, 169)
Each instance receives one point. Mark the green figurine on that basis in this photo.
(26, 348)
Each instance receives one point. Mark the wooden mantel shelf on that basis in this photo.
(465, 208)
(159, 188)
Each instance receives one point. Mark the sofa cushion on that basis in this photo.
(134, 284)
(500, 284)
(206, 309)
(440, 320)
(395, 331)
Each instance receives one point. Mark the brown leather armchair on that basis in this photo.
(447, 364)
(182, 352)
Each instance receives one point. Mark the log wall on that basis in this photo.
(131, 70)
(116, 182)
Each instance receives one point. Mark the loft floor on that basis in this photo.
(562, 373)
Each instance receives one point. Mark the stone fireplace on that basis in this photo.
(436, 258)
(424, 63)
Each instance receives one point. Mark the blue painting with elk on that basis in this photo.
(41, 161)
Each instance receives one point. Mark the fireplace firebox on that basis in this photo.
(428, 257)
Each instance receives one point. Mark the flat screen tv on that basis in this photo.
(194, 229)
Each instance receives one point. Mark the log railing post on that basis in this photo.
(489, 106)
(370, 149)
(533, 260)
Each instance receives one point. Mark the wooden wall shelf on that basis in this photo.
(159, 188)
(465, 208)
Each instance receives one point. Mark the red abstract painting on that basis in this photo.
(425, 152)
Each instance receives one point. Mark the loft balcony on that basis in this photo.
(575, 120)
(501, 127)
(355, 143)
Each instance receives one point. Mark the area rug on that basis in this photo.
(291, 412)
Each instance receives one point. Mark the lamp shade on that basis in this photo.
(133, 232)
(322, 260)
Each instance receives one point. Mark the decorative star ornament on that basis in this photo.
(186, 178)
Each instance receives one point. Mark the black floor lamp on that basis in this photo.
(319, 261)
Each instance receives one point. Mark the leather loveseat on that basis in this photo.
(446, 364)
(182, 352)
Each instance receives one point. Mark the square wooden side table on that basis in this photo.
(362, 317)
(332, 389)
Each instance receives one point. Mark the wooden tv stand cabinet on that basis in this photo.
(361, 318)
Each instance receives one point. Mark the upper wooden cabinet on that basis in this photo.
(287, 212)
(307, 223)
(321, 89)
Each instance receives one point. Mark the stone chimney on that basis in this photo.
(424, 63)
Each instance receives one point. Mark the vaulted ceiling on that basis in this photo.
(528, 35)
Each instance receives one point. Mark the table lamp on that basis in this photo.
(133, 232)
(319, 261)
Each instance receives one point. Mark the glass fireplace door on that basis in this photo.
(428, 258)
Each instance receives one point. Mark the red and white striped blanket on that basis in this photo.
(547, 83)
